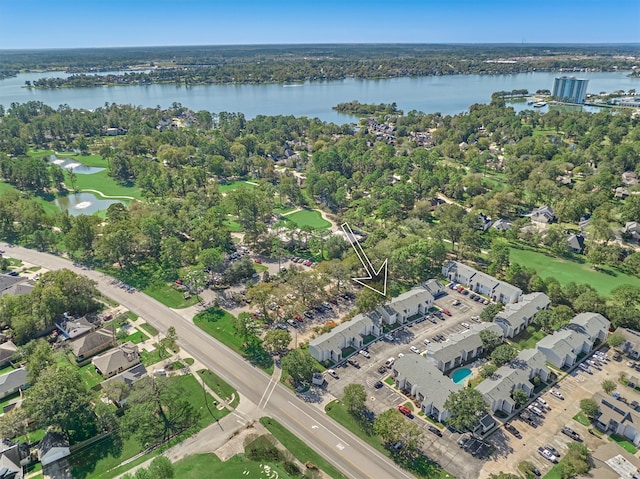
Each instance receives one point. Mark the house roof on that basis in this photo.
(11, 454)
(575, 241)
(542, 214)
(12, 380)
(51, 440)
(122, 357)
(632, 227)
(73, 328)
(7, 281)
(465, 341)
(516, 314)
(131, 375)
(502, 224)
(433, 286)
(6, 351)
(631, 336)
(431, 383)
(477, 277)
(333, 340)
(411, 300)
(592, 323)
(18, 288)
(617, 410)
(93, 340)
(557, 342)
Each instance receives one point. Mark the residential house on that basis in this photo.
(11, 285)
(417, 376)
(502, 224)
(12, 382)
(631, 345)
(7, 350)
(120, 359)
(563, 347)
(484, 222)
(575, 242)
(93, 343)
(349, 334)
(72, 328)
(53, 447)
(617, 417)
(482, 283)
(460, 348)
(517, 316)
(632, 229)
(497, 390)
(543, 215)
(435, 287)
(12, 459)
(621, 192)
(584, 222)
(629, 178)
(414, 302)
(130, 376)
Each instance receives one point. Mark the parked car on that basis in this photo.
(571, 433)
(414, 349)
(382, 370)
(547, 455)
(332, 373)
(435, 431)
(585, 368)
(378, 385)
(308, 314)
(535, 410)
(426, 341)
(447, 312)
(405, 410)
(257, 260)
(536, 471)
(634, 404)
(298, 318)
(556, 393)
(388, 337)
(543, 402)
(465, 325)
(509, 427)
(364, 353)
(552, 450)
(353, 363)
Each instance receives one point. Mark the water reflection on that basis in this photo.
(76, 166)
(83, 203)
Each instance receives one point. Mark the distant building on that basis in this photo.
(631, 345)
(415, 301)
(482, 283)
(617, 418)
(350, 334)
(517, 316)
(543, 214)
(575, 242)
(570, 89)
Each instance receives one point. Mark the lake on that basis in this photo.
(450, 94)
(74, 165)
(83, 203)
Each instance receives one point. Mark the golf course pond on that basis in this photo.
(83, 203)
(74, 165)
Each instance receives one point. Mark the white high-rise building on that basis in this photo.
(570, 89)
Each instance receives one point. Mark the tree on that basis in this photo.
(490, 311)
(115, 391)
(490, 340)
(299, 365)
(608, 386)
(39, 356)
(368, 300)
(157, 409)
(262, 294)
(575, 462)
(615, 339)
(520, 396)
(170, 341)
(392, 427)
(161, 468)
(244, 326)
(211, 259)
(354, 398)
(589, 407)
(487, 370)
(276, 341)
(466, 406)
(61, 399)
(504, 354)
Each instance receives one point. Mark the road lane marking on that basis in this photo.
(323, 427)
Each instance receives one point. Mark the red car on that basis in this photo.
(307, 263)
(404, 410)
(298, 318)
(178, 281)
(257, 260)
(447, 312)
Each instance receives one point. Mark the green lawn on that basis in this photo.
(149, 329)
(48, 207)
(421, 467)
(582, 419)
(137, 337)
(218, 323)
(528, 338)
(153, 357)
(132, 316)
(233, 226)
(234, 185)
(209, 466)
(9, 399)
(566, 271)
(219, 386)
(298, 448)
(100, 459)
(102, 182)
(6, 369)
(624, 443)
(311, 218)
(168, 296)
(554, 473)
(90, 376)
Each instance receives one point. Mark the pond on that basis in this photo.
(459, 375)
(83, 203)
(76, 166)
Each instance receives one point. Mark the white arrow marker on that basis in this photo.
(373, 276)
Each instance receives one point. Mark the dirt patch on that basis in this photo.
(236, 442)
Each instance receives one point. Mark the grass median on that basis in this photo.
(298, 448)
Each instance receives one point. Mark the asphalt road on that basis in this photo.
(338, 445)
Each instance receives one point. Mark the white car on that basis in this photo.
(556, 393)
(364, 353)
(414, 349)
(547, 454)
(388, 337)
(465, 325)
(543, 402)
(426, 341)
(400, 355)
(585, 368)
(333, 373)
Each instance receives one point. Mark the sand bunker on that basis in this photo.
(70, 166)
(58, 162)
(82, 205)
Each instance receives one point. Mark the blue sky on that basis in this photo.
(105, 23)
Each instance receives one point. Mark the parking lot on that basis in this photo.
(579, 385)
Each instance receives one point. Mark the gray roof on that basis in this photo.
(502, 224)
(593, 323)
(460, 268)
(125, 356)
(432, 384)
(575, 241)
(130, 376)
(73, 328)
(7, 281)
(410, 300)
(13, 379)
(500, 386)
(617, 410)
(433, 286)
(6, 351)
(477, 277)
(348, 330)
(516, 314)
(564, 342)
(542, 214)
(631, 336)
(50, 440)
(465, 341)
(93, 340)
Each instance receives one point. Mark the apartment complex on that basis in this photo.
(481, 283)
(569, 89)
(517, 316)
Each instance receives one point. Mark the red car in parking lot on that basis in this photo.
(298, 318)
(447, 312)
(404, 410)
(257, 260)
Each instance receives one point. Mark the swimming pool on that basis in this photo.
(459, 375)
